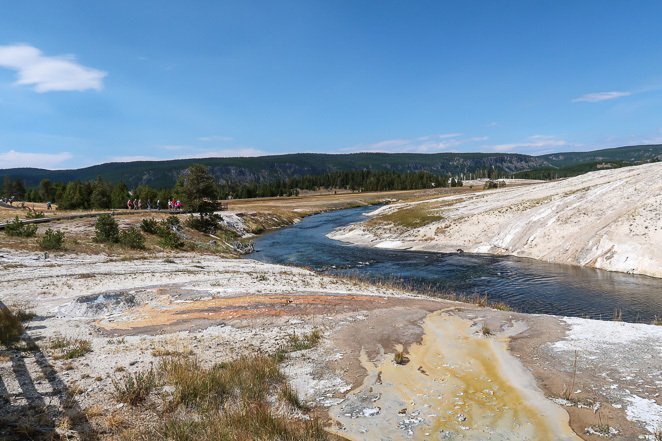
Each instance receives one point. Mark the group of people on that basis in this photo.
(137, 204)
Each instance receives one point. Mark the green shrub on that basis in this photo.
(20, 229)
(205, 224)
(172, 221)
(106, 229)
(52, 240)
(150, 226)
(171, 240)
(132, 238)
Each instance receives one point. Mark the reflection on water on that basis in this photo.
(527, 285)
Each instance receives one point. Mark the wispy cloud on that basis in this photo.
(218, 138)
(47, 73)
(600, 96)
(421, 144)
(535, 142)
(12, 159)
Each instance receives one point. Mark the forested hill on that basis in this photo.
(163, 174)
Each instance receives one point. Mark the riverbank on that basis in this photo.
(609, 219)
(136, 312)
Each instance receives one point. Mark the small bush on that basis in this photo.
(150, 226)
(485, 330)
(11, 328)
(204, 224)
(107, 230)
(171, 240)
(52, 240)
(172, 221)
(132, 238)
(134, 389)
(19, 229)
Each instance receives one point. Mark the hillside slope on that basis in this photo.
(609, 219)
(162, 174)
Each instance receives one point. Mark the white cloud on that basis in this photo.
(12, 159)
(421, 144)
(532, 142)
(47, 74)
(215, 138)
(600, 96)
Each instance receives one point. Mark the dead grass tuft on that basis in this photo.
(134, 389)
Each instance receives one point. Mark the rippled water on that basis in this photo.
(527, 285)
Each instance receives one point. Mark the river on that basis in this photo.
(527, 285)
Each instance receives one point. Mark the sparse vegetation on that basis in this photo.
(568, 392)
(306, 341)
(18, 228)
(134, 389)
(52, 240)
(485, 330)
(415, 216)
(69, 348)
(233, 400)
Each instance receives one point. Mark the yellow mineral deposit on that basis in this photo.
(458, 384)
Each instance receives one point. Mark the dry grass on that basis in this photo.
(225, 401)
(415, 216)
(485, 330)
(134, 389)
(66, 348)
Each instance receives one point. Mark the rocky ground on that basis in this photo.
(610, 219)
(468, 372)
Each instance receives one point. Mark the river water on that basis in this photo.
(527, 285)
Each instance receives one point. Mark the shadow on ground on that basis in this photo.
(35, 403)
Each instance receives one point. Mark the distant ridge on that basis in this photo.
(161, 174)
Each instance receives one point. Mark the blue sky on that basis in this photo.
(90, 82)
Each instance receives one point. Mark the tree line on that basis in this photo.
(101, 194)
